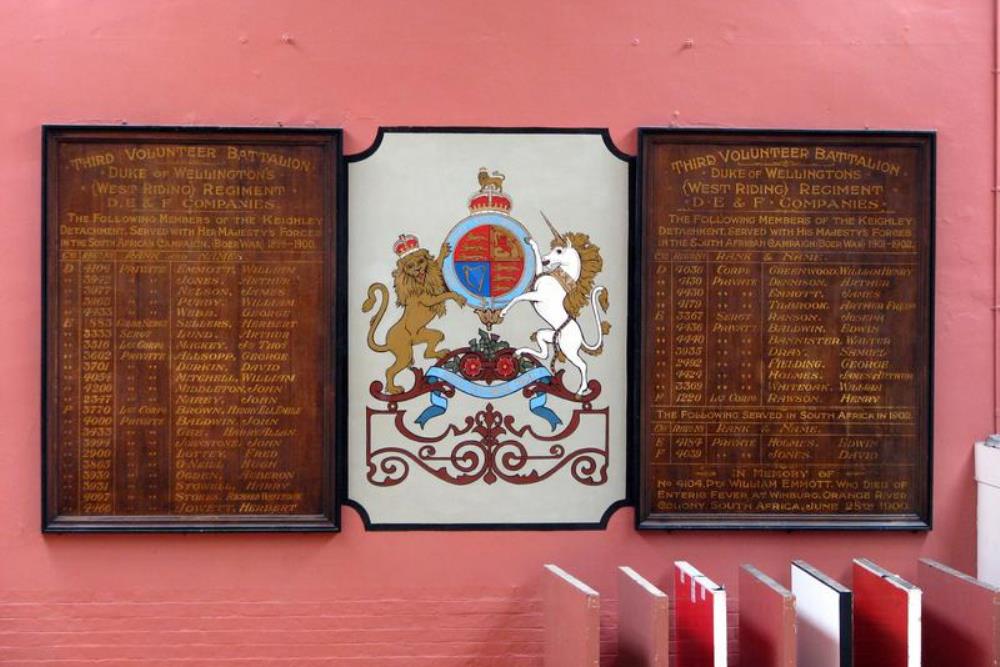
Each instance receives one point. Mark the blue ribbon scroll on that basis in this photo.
(439, 404)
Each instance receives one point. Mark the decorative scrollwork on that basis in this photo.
(495, 453)
(489, 445)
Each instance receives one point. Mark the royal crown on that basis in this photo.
(405, 244)
(490, 196)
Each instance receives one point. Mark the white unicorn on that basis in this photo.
(563, 285)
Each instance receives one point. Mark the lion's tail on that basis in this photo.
(598, 299)
(373, 290)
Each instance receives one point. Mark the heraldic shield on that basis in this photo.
(484, 351)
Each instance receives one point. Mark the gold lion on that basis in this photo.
(418, 283)
(486, 181)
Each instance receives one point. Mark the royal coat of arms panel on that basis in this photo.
(488, 318)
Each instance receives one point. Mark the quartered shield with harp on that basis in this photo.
(490, 263)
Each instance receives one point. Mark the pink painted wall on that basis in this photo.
(442, 597)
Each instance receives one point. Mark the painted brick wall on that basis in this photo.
(358, 65)
(488, 627)
(500, 627)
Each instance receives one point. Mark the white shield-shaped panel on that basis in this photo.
(488, 287)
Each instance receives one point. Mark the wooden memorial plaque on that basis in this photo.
(189, 335)
(783, 359)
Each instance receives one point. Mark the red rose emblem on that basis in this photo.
(472, 366)
(506, 367)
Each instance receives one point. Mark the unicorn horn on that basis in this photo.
(556, 234)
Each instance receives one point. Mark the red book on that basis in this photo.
(572, 620)
(643, 621)
(961, 624)
(767, 621)
(701, 618)
(886, 618)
